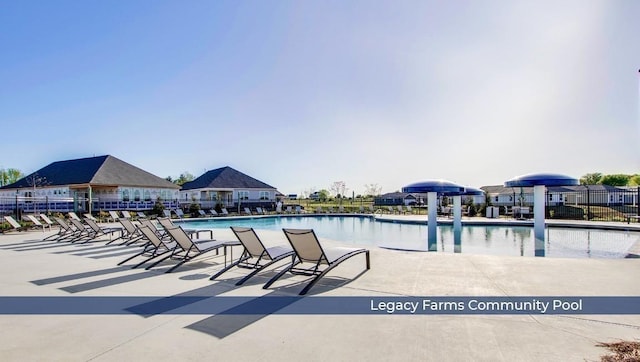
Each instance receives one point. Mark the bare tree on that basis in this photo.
(372, 190)
(34, 180)
(338, 188)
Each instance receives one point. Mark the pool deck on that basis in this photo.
(31, 267)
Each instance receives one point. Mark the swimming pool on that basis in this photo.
(493, 240)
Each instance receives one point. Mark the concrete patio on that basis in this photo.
(30, 267)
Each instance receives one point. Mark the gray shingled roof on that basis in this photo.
(95, 171)
(225, 178)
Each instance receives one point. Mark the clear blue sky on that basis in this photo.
(300, 94)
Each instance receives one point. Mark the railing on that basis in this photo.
(19, 204)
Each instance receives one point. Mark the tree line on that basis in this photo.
(619, 179)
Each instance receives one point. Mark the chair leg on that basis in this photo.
(224, 270)
(280, 274)
(258, 268)
(160, 260)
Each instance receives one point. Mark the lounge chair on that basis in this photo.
(202, 213)
(37, 222)
(126, 214)
(391, 210)
(66, 233)
(524, 212)
(400, 209)
(319, 210)
(259, 211)
(154, 247)
(14, 224)
(225, 212)
(341, 209)
(113, 215)
(371, 209)
(101, 230)
(188, 248)
(89, 216)
(82, 231)
(129, 234)
(309, 252)
(213, 212)
(330, 210)
(167, 224)
(247, 211)
(179, 213)
(73, 215)
(141, 215)
(154, 227)
(289, 210)
(361, 209)
(166, 213)
(409, 210)
(446, 211)
(46, 219)
(299, 209)
(254, 253)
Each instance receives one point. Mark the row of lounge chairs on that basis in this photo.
(165, 240)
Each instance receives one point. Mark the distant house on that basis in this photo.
(400, 198)
(88, 184)
(228, 187)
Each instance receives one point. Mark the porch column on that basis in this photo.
(90, 206)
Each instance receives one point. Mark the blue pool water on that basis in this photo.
(493, 240)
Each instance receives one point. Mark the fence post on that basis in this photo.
(638, 201)
(588, 204)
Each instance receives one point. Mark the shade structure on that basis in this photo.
(472, 191)
(544, 179)
(437, 186)
(433, 188)
(539, 181)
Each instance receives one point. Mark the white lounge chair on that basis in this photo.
(14, 224)
(37, 222)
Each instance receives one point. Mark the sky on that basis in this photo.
(301, 94)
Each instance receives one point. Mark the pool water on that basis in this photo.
(492, 240)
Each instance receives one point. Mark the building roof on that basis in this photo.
(95, 171)
(225, 178)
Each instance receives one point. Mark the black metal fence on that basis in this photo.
(598, 205)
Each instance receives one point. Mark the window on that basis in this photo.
(147, 196)
(265, 195)
(136, 195)
(243, 195)
(125, 195)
